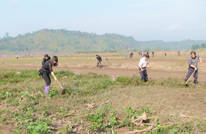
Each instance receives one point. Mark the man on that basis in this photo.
(178, 53)
(152, 53)
(99, 60)
(47, 67)
(45, 59)
(131, 54)
(143, 64)
(193, 66)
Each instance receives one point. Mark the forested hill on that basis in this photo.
(64, 41)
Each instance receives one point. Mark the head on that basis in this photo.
(46, 56)
(193, 54)
(55, 60)
(97, 55)
(146, 57)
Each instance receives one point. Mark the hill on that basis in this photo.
(65, 41)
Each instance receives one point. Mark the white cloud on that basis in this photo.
(174, 27)
(13, 2)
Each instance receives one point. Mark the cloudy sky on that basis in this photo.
(167, 20)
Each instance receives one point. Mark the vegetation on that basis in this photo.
(26, 109)
(64, 41)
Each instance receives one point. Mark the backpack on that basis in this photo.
(41, 71)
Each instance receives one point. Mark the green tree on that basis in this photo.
(195, 47)
(203, 45)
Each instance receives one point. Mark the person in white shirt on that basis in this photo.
(143, 64)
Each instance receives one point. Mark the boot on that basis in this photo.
(195, 81)
(46, 89)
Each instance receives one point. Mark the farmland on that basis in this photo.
(102, 100)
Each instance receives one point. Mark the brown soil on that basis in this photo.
(112, 72)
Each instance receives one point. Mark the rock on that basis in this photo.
(18, 73)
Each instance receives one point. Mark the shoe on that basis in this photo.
(195, 81)
(46, 89)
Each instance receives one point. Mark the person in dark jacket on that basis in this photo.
(99, 63)
(45, 59)
(49, 71)
(193, 66)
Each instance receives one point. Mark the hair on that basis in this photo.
(46, 55)
(193, 52)
(147, 56)
(55, 58)
(97, 55)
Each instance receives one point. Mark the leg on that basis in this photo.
(145, 75)
(190, 71)
(98, 64)
(141, 74)
(195, 77)
(47, 80)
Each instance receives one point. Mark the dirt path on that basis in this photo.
(112, 72)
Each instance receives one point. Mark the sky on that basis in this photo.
(167, 20)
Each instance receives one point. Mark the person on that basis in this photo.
(193, 66)
(99, 64)
(17, 57)
(131, 55)
(49, 71)
(45, 59)
(165, 53)
(126, 55)
(143, 64)
(178, 53)
(152, 53)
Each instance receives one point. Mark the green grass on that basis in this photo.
(25, 104)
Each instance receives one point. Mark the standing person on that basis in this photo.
(126, 55)
(165, 53)
(152, 53)
(99, 59)
(193, 66)
(143, 64)
(131, 55)
(45, 59)
(178, 53)
(47, 67)
(17, 57)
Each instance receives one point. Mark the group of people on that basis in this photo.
(49, 62)
(192, 69)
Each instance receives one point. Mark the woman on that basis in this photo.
(49, 71)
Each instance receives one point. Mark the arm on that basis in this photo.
(200, 60)
(140, 65)
(52, 73)
(43, 61)
(190, 64)
(148, 65)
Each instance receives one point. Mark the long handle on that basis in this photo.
(190, 77)
(59, 84)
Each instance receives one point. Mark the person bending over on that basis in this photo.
(143, 64)
(193, 66)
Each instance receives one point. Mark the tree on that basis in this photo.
(203, 45)
(195, 47)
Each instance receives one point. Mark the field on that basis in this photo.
(102, 100)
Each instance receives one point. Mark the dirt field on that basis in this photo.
(24, 108)
(160, 66)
